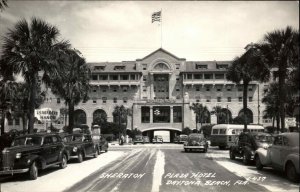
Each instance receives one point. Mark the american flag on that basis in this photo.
(156, 16)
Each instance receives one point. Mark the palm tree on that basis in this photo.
(201, 113)
(281, 50)
(31, 49)
(249, 67)
(72, 83)
(121, 115)
(3, 4)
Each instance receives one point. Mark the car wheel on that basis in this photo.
(245, 159)
(33, 171)
(99, 150)
(63, 163)
(258, 164)
(105, 150)
(291, 172)
(231, 154)
(80, 157)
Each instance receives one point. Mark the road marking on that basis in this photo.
(159, 170)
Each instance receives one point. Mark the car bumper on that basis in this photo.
(193, 147)
(11, 172)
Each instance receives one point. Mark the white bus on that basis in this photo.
(223, 135)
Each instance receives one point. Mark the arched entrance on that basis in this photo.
(249, 115)
(79, 117)
(99, 117)
(225, 116)
(168, 133)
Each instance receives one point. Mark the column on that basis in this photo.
(170, 94)
(171, 114)
(151, 114)
(151, 86)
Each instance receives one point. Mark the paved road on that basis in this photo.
(154, 168)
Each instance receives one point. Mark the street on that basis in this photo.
(153, 168)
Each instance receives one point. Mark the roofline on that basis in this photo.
(161, 49)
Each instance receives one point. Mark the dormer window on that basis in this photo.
(99, 68)
(200, 66)
(222, 66)
(119, 68)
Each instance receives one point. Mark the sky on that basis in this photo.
(122, 30)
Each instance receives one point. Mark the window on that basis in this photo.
(199, 66)
(219, 76)
(94, 90)
(125, 99)
(99, 68)
(177, 88)
(144, 66)
(207, 88)
(215, 131)
(177, 77)
(208, 76)
(208, 99)
(219, 88)
(125, 89)
(240, 99)
(197, 99)
(124, 77)
(197, 88)
(228, 99)
(104, 99)
(145, 114)
(228, 88)
(177, 114)
(115, 89)
(115, 100)
(177, 66)
(219, 99)
(250, 99)
(103, 77)
(161, 114)
(240, 88)
(222, 66)
(132, 77)
(189, 76)
(250, 88)
(95, 77)
(145, 88)
(114, 77)
(58, 100)
(10, 121)
(104, 90)
(197, 76)
(145, 78)
(94, 100)
(17, 121)
(117, 68)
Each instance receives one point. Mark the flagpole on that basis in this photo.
(161, 28)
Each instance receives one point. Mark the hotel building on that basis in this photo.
(159, 89)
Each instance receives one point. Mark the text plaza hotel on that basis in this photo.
(159, 89)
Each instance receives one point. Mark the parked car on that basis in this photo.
(146, 139)
(103, 144)
(282, 155)
(33, 152)
(157, 139)
(138, 139)
(182, 138)
(79, 145)
(196, 141)
(247, 142)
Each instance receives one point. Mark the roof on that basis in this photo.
(162, 50)
(129, 66)
(190, 66)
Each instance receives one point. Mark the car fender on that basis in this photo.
(263, 156)
(294, 158)
(40, 160)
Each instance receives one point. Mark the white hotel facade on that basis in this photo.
(159, 89)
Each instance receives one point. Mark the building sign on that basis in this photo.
(161, 100)
(46, 114)
(290, 122)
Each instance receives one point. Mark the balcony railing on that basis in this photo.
(115, 82)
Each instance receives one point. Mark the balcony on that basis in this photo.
(206, 82)
(115, 82)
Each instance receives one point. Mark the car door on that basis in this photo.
(56, 147)
(47, 149)
(276, 151)
(88, 144)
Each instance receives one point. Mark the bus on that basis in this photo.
(223, 135)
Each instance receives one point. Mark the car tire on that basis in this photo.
(80, 157)
(99, 150)
(33, 171)
(245, 159)
(205, 150)
(291, 172)
(96, 154)
(258, 164)
(63, 163)
(231, 154)
(105, 150)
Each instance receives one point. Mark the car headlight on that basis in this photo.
(18, 155)
(75, 149)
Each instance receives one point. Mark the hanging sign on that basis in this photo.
(46, 114)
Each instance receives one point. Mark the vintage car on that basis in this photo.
(282, 155)
(157, 139)
(182, 138)
(146, 139)
(196, 141)
(138, 139)
(33, 152)
(80, 145)
(246, 143)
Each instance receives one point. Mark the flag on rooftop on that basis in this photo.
(156, 16)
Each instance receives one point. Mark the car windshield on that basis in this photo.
(33, 140)
(195, 137)
(264, 138)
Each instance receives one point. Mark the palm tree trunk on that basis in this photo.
(32, 103)
(71, 115)
(245, 95)
(2, 122)
(24, 122)
(278, 122)
(282, 72)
